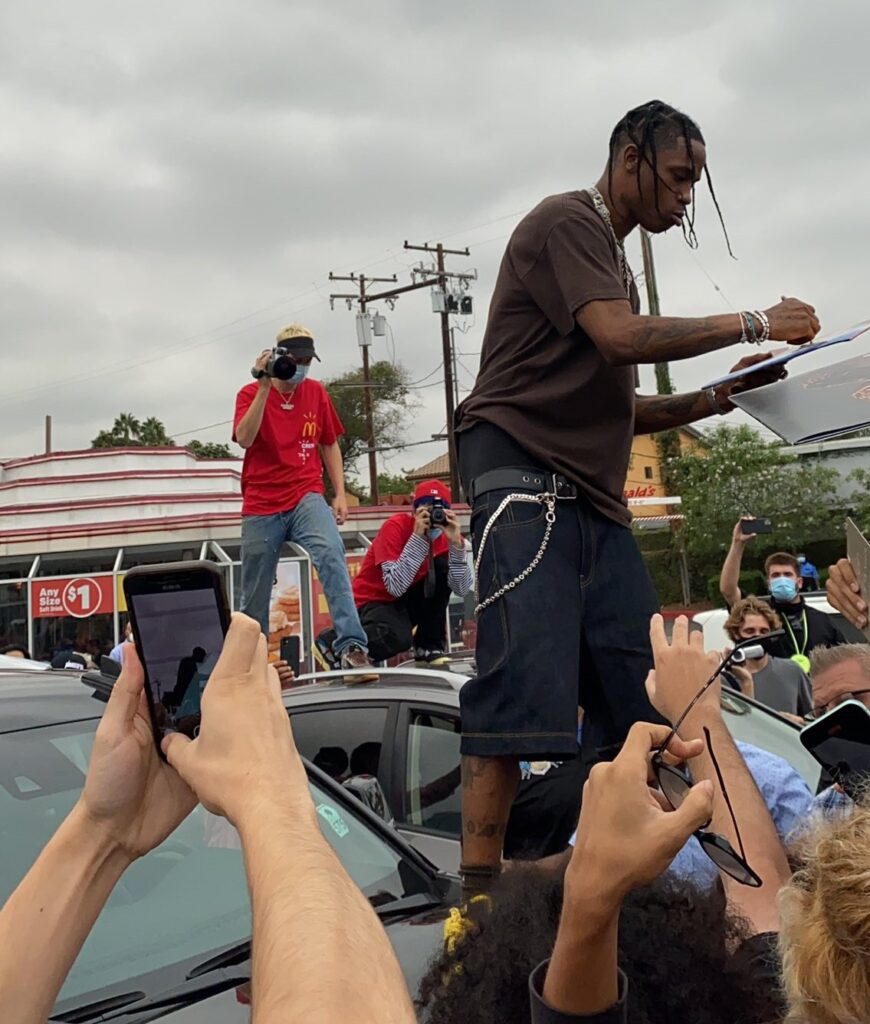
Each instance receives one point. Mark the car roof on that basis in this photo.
(29, 699)
(402, 683)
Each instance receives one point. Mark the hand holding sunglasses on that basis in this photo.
(627, 835)
(680, 669)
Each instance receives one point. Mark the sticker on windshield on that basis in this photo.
(334, 819)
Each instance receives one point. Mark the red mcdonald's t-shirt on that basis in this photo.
(283, 464)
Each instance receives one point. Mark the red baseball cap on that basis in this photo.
(432, 489)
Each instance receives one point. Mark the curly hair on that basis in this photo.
(825, 911)
(750, 606)
(676, 944)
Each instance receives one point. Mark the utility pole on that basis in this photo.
(365, 342)
(664, 384)
(447, 349)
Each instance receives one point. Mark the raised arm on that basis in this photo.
(625, 839)
(319, 951)
(249, 425)
(624, 337)
(729, 578)
(682, 668)
(130, 803)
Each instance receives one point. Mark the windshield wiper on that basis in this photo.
(93, 1011)
(407, 904)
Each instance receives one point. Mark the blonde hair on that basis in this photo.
(750, 606)
(825, 935)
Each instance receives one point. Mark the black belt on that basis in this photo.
(518, 478)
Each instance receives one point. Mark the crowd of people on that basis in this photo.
(705, 880)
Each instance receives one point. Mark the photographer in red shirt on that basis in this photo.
(286, 428)
(405, 581)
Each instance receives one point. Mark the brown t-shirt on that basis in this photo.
(541, 378)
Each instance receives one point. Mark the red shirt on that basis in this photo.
(283, 464)
(368, 584)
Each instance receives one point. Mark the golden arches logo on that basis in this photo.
(309, 427)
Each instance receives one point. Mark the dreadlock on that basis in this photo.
(648, 125)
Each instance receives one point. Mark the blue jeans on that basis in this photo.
(312, 526)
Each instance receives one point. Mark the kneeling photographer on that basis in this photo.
(404, 584)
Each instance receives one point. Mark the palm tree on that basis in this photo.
(127, 429)
(153, 433)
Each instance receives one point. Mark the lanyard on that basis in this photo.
(787, 625)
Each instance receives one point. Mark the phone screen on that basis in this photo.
(180, 636)
(840, 742)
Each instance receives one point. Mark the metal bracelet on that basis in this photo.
(744, 337)
(547, 499)
(713, 402)
(765, 326)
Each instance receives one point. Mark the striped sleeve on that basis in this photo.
(459, 574)
(399, 575)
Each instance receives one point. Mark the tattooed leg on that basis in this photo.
(489, 785)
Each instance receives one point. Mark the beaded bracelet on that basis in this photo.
(750, 318)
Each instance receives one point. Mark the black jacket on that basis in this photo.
(544, 1014)
(820, 626)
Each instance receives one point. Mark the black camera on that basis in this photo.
(281, 365)
(437, 517)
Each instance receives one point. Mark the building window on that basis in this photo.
(647, 472)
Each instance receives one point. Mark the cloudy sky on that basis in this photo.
(178, 179)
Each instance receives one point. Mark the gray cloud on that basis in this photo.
(178, 180)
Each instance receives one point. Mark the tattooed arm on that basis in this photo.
(664, 412)
(624, 337)
(653, 413)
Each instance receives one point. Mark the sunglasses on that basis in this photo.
(817, 712)
(676, 782)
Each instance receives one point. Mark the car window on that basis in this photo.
(432, 797)
(341, 741)
(186, 898)
(765, 729)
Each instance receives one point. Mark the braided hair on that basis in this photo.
(648, 125)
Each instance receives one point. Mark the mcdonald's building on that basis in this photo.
(73, 523)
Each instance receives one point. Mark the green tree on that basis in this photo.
(735, 472)
(210, 450)
(127, 431)
(392, 404)
(153, 434)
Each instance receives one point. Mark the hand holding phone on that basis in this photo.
(754, 526)
(840, 741)
(180, 616)
(291, 653)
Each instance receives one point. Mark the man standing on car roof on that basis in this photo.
(805, 628)
(286, 428)
(544, 441)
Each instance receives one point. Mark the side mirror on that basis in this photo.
(369, 791)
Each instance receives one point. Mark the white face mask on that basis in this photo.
(435, 532)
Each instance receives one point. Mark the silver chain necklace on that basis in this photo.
(285, 398)
(604, 214)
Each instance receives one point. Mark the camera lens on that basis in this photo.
(282, 366)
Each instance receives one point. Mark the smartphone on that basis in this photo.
(180, 616)
(290, 652)
(748, 526)
(840, 742)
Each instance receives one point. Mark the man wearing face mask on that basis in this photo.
(404, 584)
(289, 430)
(805, 628)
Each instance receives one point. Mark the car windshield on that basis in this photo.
(753, 723)
(183, 900)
